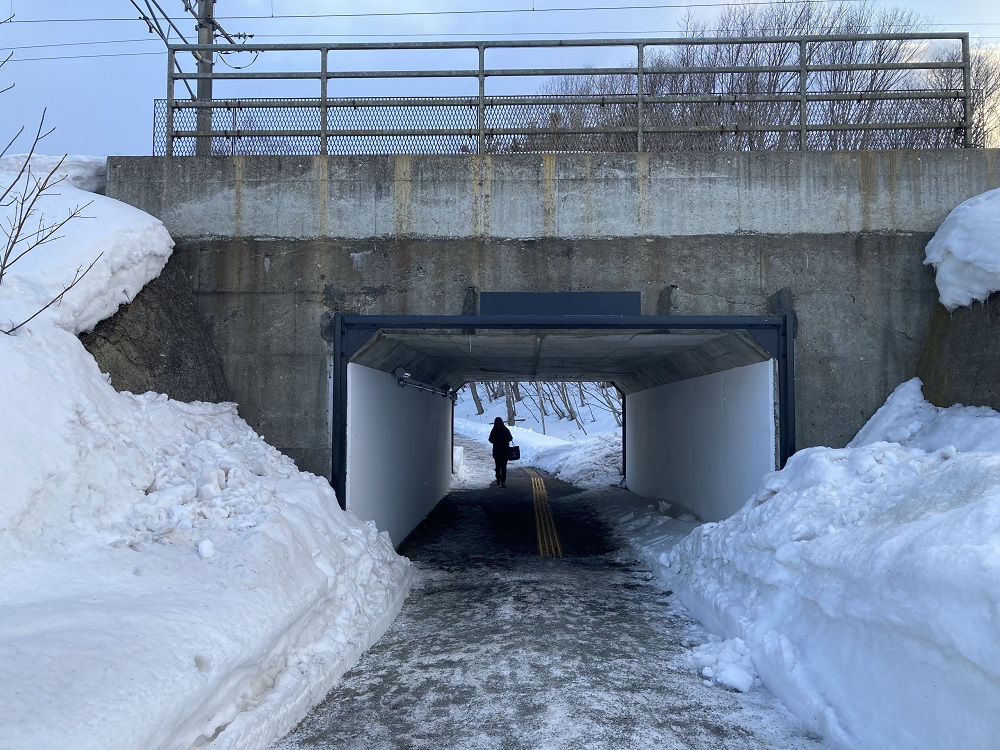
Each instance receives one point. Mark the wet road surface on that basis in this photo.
(497, 647)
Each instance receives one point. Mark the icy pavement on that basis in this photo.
(499, 648)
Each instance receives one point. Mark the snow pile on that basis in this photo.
(127, 247)
(593, 462)
(650, 527)
(727, 663)
(862, 580)
(167, 579)
(87, 173)
(965, 251)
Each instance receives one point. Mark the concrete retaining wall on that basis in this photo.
(705, 442)
(273, 243)
(398, 451)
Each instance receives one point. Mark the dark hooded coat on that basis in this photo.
(501, 438)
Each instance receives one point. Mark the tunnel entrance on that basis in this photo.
(391, 452)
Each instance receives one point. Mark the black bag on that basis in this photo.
(514, 453)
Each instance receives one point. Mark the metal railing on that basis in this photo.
(753, 93)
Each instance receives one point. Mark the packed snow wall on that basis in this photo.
(398, 451)
(703, 443)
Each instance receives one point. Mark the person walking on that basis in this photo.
(501, 438)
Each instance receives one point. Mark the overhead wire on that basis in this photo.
(85, 57)
(152, 20)
(471, 12)
(154, 23)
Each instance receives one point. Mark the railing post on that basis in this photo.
(966, 92)
(482, 99)
(803, 109)
(640, 94)
(170, 102)
(323, 82)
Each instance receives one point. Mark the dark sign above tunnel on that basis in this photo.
(560, 303)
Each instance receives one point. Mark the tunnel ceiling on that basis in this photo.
(633, 360)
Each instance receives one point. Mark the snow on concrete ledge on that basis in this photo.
(965, 252)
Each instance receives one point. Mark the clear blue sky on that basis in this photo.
(97, 70)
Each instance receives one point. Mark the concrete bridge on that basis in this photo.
(320, 276)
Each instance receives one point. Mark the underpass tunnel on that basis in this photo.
(708, 402)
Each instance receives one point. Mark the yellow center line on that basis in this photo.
(545, 525)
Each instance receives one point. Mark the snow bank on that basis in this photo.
(862, 580)
(88, 173)
(727, 663)
(593, 462)
(167, 579)
(965, 251)
(130, 247)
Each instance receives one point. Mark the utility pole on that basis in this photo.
(206, 35)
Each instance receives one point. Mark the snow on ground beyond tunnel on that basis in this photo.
(164, 573)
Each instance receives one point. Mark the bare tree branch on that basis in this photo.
(39, 135)
(77, 277)
(22, 195)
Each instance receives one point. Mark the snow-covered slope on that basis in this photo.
(167, 579)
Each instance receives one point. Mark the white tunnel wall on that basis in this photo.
(704, 443)
(398, 451)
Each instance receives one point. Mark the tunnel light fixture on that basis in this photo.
(405, 380)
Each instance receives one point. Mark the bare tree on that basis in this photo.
(985, 91)
(475, 398)
(736, 108)
(541, 405)
(557, 399)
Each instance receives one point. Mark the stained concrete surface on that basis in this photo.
(499, 648)
(272, 244)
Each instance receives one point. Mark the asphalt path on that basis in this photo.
(497, 647)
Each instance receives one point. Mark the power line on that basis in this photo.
(480, 11)
(645, 34)
(81, 44)
(593, 33)
(84, 57)
(597, 33)
(668, 33)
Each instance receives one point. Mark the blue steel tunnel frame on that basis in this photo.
(349, 333)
